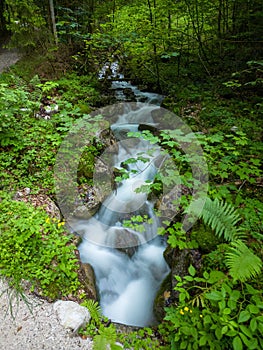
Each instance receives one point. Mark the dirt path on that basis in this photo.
(8, 58)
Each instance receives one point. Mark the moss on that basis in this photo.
(206, 239)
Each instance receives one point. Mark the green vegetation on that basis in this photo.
(36, 249)
(206, 58)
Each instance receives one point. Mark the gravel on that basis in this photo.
(34, 325)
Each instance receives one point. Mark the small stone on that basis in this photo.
(71, 315)
(27, 191)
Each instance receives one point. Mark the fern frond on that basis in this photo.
(94, 309)
(243, 264)
(100, 343)
(106, 339)
(221, 217)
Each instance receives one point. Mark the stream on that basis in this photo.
(128, 261)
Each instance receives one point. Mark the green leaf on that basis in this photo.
(221, 217)
(218, 333)
(246, 331)
(207, 319)
(253, 309)
(203, 340)
(216, 276)
(224, 329)
(231, 333)
(191, 270)
(183, 344)
(226, 311)
(244, 316)
(253, 325)
(186, 330)
(215, 295)
(237, 343)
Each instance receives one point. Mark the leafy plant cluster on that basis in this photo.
(36, 249)
(30, 133)
(106, 335)
(214, 312)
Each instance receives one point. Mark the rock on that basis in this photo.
(91, 199)
(82, 212)
(129, 94)
(127, 242)
(71, 315)
(179, 262)
(89, 280)
(162, 298)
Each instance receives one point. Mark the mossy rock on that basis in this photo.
(206, 239)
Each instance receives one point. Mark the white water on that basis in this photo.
(127, 284)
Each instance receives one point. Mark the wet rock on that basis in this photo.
(150, 127)
(127, 242)
(88, 280)
(82, 212)
(179, 262)
(129, 94)
(71, 315)
(162, 299)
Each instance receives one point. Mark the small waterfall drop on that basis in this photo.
(127, 283)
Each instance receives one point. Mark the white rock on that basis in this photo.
(71, 315)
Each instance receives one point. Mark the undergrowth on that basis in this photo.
(36, 249)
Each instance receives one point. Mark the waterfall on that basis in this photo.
(127, 283)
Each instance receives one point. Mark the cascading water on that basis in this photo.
(127, 281)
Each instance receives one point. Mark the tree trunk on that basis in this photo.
(53, 20)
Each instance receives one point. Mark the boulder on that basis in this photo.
(71, 315)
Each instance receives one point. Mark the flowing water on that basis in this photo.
(128, 261)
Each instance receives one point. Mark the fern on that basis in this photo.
(221, 217)
(242, 262)
(94, 309)
(106, 339)
(100, 343)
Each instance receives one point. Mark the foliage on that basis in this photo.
(26, 23)
(36, 249)
(104, 333)
(242, 262)
(142, 339)
(221, 217)
(94, 309)
(215, 312)
(216, 47)
(27, 157)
